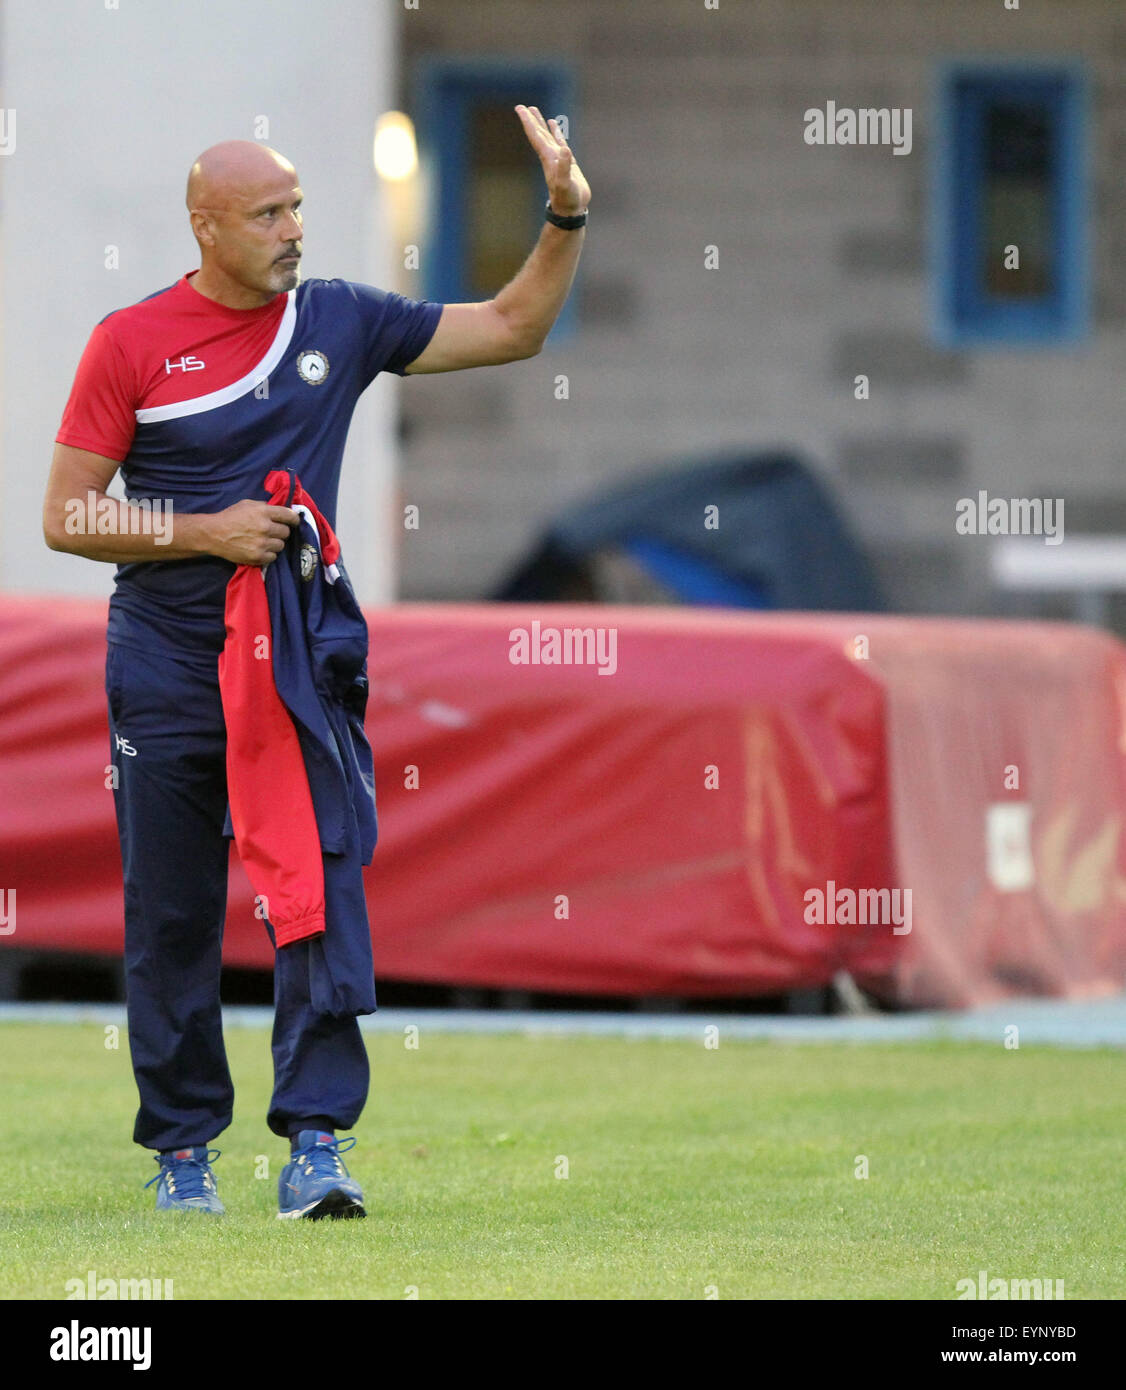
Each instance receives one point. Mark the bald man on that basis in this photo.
(196, 394)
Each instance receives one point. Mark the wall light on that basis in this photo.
(394, 151)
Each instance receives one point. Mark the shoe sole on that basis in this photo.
(335, 1205)
(183, 1206)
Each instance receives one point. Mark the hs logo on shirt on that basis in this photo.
(185, 364)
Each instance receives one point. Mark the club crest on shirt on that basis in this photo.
(308, 562)
(312, 366)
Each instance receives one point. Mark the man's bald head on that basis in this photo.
(230, 170)
(244, 202)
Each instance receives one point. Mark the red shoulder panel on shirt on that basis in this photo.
(171, 347)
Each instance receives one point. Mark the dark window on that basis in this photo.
(1017, 201)
(502, 172)
(1011, 205)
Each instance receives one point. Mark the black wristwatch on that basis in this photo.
(569, 224)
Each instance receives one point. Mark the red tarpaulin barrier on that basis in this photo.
(689, 823)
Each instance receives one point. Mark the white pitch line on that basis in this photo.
(1086, 1023)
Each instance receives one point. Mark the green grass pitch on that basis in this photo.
(690, 1172)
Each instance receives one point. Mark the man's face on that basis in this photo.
(258, 235)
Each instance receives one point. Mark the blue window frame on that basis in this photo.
(1010, 170)
(487, 190)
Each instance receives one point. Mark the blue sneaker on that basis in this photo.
(314, 1183)
(186, 1181)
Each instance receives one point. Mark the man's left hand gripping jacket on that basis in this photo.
(300, 780)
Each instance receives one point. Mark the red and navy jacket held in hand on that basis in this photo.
(300, 778)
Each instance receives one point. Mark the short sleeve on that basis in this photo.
(395, 329)
(99, 413)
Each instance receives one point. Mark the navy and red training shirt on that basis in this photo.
(199, 402)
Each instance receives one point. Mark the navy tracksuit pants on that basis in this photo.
(168, 743)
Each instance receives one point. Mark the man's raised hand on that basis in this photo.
(567, 190)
